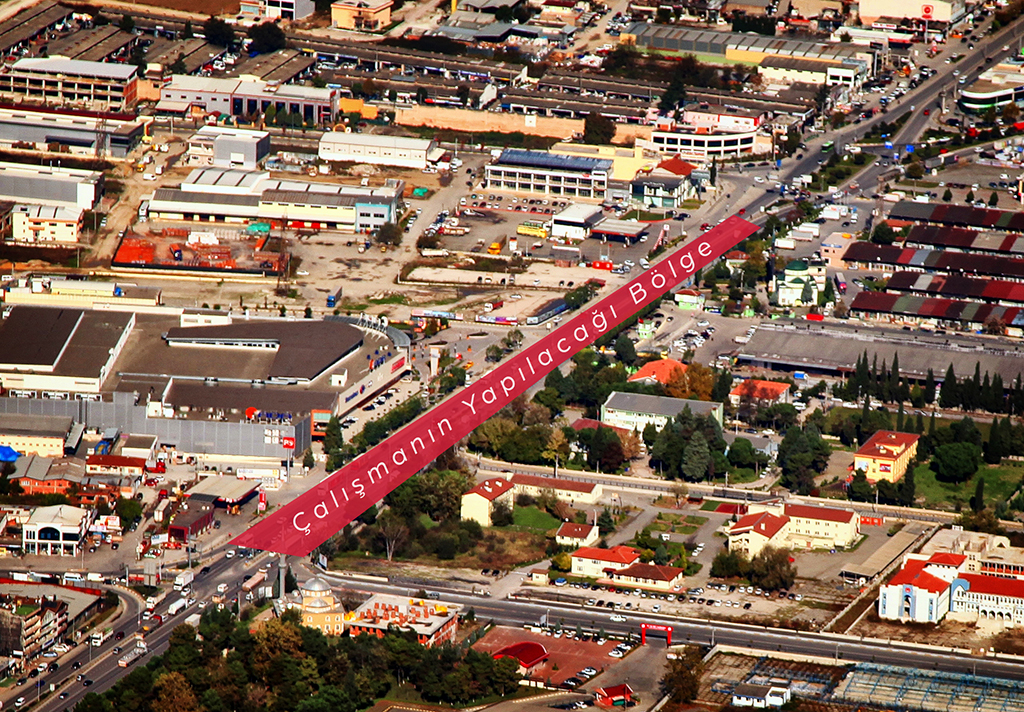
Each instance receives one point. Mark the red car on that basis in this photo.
(927, 112)
(743, 211)
(705, 227)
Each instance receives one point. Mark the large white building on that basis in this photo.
(539, 172)
(931, 586)
(951, 11)
(50, 185)
(378, 150)
(634, 411)
(59, 530)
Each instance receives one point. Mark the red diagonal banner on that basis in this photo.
(315, 516)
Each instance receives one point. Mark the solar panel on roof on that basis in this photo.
(540, 159)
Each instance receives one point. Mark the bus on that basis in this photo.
(533, 228)
(840, 279)
(827, 148)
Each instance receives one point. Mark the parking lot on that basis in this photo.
(569, 653)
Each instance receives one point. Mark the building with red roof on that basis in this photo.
(529, 654)
(571, 491)
(577, 535)
(794, 526)
(760, 393)
(886, 455)
(660, 371)
(753, 532)
(478, 504)
(650, 576)
(600, 563)
(592, 424)
(615, 696)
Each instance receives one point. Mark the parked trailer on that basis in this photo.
(133, 655)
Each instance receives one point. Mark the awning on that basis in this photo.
(169, 106)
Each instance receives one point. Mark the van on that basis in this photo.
(222, 588)
(72, 576)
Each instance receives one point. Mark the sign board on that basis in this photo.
(158, 539)
(288, 443)
(910, 148)
(888, 144)
(262, 506)
(927, 11)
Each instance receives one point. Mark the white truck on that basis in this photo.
(193, 620)
(154, 601)
(133, 655)
(99, 637)
(182, 580)
(177, 607)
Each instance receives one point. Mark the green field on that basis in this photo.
(533, 518)
(710, 505)
(1001, 481)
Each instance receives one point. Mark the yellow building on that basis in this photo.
(577, 535)
(479, 502)
(626, 161)
(793, 526)
(365, 15)
(42, 435)
(566, 490)
(886, 455)
(650, 576)
(320, 607)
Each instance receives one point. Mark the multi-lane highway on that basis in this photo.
(99, 664)
(840, 648)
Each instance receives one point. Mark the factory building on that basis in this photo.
(50, 185)
(107, 86)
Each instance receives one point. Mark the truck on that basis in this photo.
(176, 252)
(495, 248)
(133, 655)
(533, 228)
(193, 620)
(334, 299)
(154, 601)
(99, 637)
(177, 607)
(255, 581)
(491, 306)
(182, 580)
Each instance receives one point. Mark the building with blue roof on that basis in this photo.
(539, 172)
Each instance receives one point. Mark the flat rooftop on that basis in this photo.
(223, 488)
(78, 601)
(35, 337)
(51, 426)
(835, 348)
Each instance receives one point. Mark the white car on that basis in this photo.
(617, 617)
(703, 323)
(758, 179)
(656, 607)
(149, 176)
(629, 263)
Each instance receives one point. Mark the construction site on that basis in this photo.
(251, 251)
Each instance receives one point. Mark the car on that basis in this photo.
(229, 554)
(117, 648)
(927, 112)
(746, 606)
(115, 546)
(204, 570)
(573, 682)
(617, 653)
(656, 608)
(86, 682)
(588, 671)
(77, 664)
(119, 635)
(63, 696)
(20, 702)
(617, 618)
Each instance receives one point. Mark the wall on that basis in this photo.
(469, 120)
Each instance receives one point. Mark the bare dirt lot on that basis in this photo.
(951, 634)
(204, 7)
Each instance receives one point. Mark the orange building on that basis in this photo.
(760, 393)
(433, 623)
(661, 371)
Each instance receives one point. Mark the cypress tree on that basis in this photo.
(899, 419)
(883, 384)
(998, 404)
(986, 394)
(949, 396)
(894, 379)
(995, 448)
(929, 387)
(919, 424)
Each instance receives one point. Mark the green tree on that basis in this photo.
(561, 562)
(605, 522)
(308, 461)
(128, 509)
(730, 564)
(993, 200)
(807, 293)
(947, 195)
(126, 24)
(696, 458)
(389, 233)
(956, 462)
(978, 500)
(860, 490)
(883, 234)
(772, 570)
(218, 32)
(682, 678)
(625, 351)
(970, 196)
(742, 453)
(598, 129)
(187, 33)
(178, 66)
(915, 170)
(661, 555)
(266, 37)
(949, 396)
(494, 353)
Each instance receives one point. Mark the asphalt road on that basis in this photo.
(99, 664)
(838, 647)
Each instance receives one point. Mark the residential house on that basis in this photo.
(760, 393)
(577, 535)
(600, 563)
(660, 371)
(886, 455)
(361, 15)
(649, 576)
(478, 504)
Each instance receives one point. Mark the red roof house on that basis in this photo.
(594, 562)
(528, 654)
(661, 371)
(760, 392)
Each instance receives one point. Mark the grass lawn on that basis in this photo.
(1001, 481)
(533, 518)
(426, 521)
(710, 505)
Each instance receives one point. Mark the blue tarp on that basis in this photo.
(8, 454)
